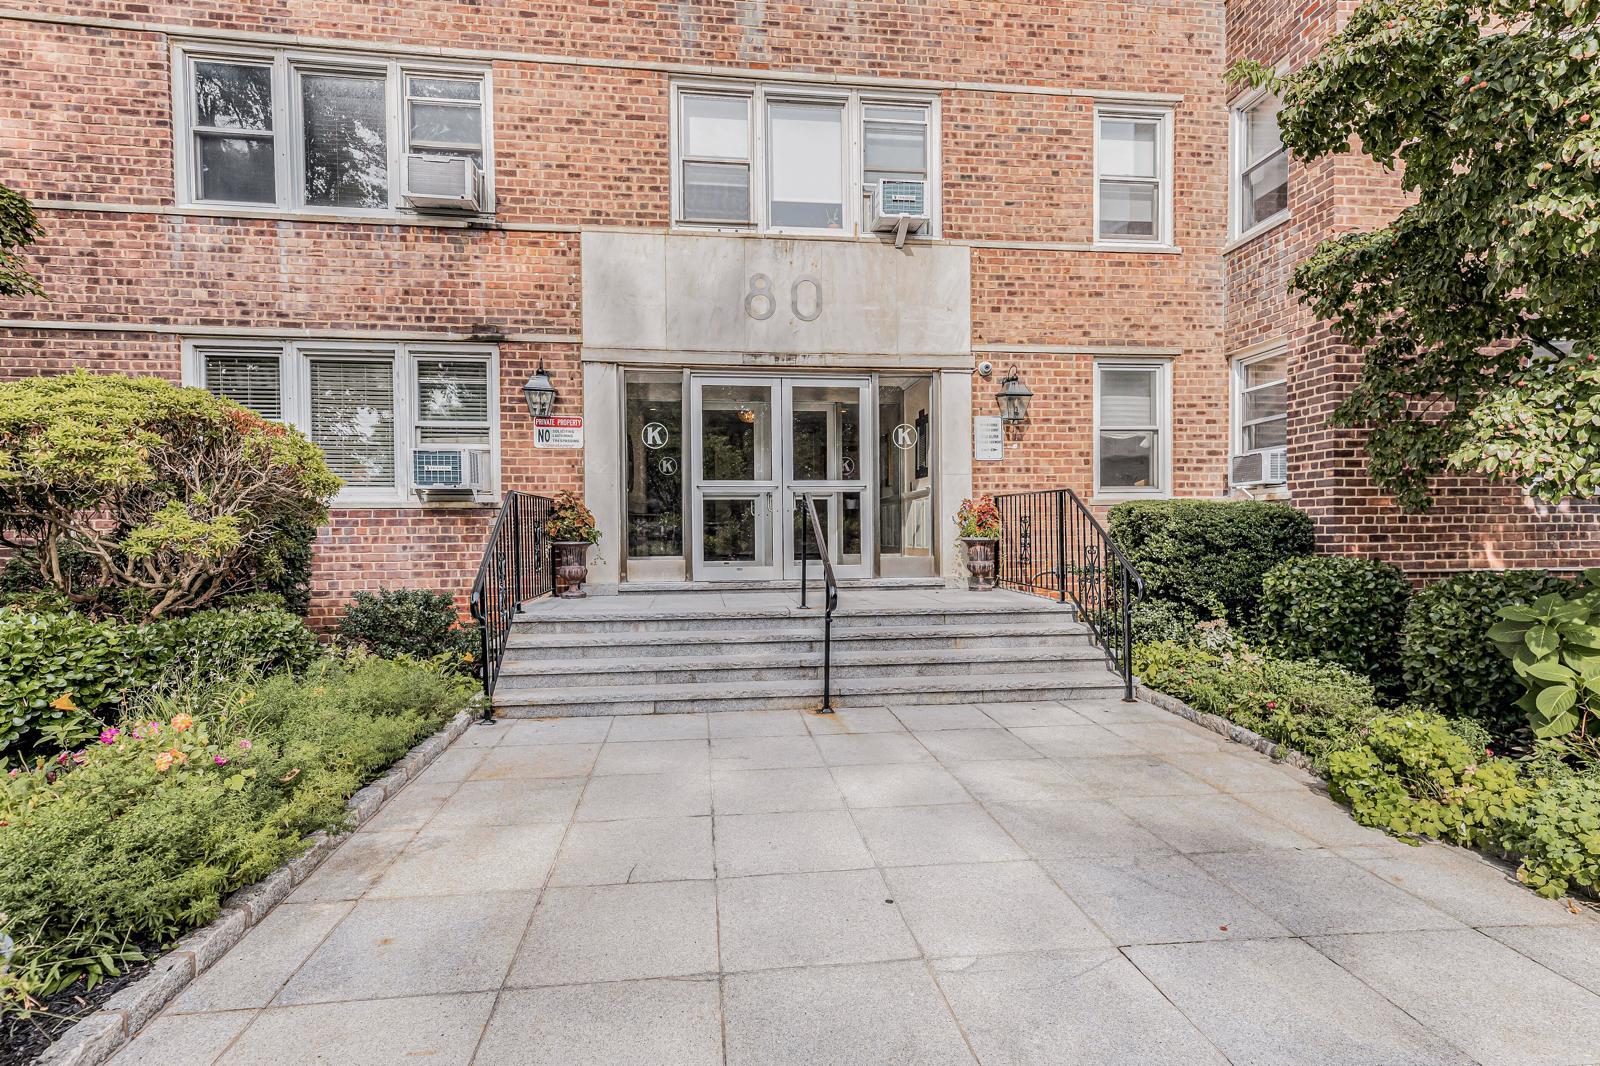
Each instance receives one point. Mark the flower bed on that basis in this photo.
(111, 852)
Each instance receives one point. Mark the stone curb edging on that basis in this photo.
(1236, 733)
(102, 1034)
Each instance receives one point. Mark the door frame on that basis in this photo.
(775, 498)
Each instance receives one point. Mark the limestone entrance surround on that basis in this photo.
(756, 303)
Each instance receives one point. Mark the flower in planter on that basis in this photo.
(244, 745)
(109, 734)
(979, 518)
(182, 722)
(163, 762)
(64, 702)
(221, 760)
(570, 520)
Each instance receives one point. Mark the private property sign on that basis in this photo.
(553, 431)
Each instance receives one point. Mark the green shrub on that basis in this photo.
(1449, 661)
(58, 671)
(1209, 555)
(414, 622)
(1162, 620)
(1413, 776)
(1340, 608)
(1556, 834)
(229, 643)
(62, 675)
(1554, 646)
(138, 838)
(175, 496)
(1314, 707)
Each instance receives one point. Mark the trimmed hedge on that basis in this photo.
(418, 623)
(1448, 660)
(1340, 608)
(1209, 555)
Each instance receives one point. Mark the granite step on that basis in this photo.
(703, 668)
(613, 620)
(1092, 681)
(797, 639)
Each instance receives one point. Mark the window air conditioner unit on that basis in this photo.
(1267, 467)
(452, 182)
(897, 204)
(451, 473)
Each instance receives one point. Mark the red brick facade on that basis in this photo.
(1472, 524)
(581, 130)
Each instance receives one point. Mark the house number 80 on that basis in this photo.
(759, 302)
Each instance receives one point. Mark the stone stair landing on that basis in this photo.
(736, 651)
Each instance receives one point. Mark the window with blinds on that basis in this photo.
(371, 408)
(253, 380)
(1131, 413)
(452, 402)
(352, 418)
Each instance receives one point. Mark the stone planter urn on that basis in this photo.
(572, 567)
(980, 562)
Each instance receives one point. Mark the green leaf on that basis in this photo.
(1542, 640)
(1557, 699)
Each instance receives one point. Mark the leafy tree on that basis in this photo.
(18, 228)
(136, 497)
(1479, 305)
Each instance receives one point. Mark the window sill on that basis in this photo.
(398, 503)
(689, 229)
(1260, 231)
(1134, 246)
(452, 219)
(1106, 499)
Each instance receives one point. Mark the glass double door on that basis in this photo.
(758, 444)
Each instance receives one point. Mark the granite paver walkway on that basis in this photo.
(1093, 883)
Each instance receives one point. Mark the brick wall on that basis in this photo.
(583, 140)
(1472, 523)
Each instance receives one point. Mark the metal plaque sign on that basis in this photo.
(988, 438)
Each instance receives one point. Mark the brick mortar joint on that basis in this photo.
(88, 1042)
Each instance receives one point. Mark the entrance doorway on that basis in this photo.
(727, 503)
(757, 445)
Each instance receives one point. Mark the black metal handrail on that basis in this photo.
(1050, 542)
(516, 567)
(830, 598)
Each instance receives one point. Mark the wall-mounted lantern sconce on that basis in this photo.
(1013, 398)
(540, 394)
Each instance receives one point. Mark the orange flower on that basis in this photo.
(179, 757)
(64, 702)
(163, 762)
(181, 722)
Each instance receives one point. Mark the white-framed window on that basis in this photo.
(1260, 418)
(1133, 177)
(1260, 169)
(795, 159)
(369, 407)
(319, 132)
(1132, 427)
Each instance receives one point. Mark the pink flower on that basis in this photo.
(244, 745)
(152, 729)
(221, 760)
(63, 758)
(109, 735)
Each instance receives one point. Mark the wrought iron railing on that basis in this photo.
(516, 567)
(1052, 544)
(830, 592)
